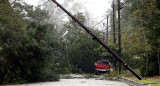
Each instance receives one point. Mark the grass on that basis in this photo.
(145, 81)
(153, 83)
(129, 75)
(111, 74)
(1, 48)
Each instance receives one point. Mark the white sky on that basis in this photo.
(96, 8)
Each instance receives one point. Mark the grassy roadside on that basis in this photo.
(148, 80)
(153, 81)
(145, 81)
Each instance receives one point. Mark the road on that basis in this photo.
(77, 82)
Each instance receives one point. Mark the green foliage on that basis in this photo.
(112, 74)
(81, 53)
(35, 14)
(31, 55)
(9, 17)
(153, 39)
(83, 56)
(38, 14)
(152, 83)
(26, 51)
(104, 54)
(140, 29)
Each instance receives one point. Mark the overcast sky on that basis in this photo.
(96, 8)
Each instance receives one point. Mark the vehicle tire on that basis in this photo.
(109, 72)
(96, 72)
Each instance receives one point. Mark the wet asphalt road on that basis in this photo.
(77, 82)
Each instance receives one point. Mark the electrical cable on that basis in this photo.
(99, 23)
(95, 17)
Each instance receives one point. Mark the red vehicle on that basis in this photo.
(102, 66)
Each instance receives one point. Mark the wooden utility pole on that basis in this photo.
(103, 36)
(119, 34)
(98, 40)
(114, 29)
(107, 31)
(114, 37)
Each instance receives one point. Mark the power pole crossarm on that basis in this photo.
(99, 41)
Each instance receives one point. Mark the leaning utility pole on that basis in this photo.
(107, 31)
(119, 34)
(114, 29)
(98, 40)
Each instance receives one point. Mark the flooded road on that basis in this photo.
(77, 82)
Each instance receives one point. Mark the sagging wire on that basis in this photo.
(99, 23)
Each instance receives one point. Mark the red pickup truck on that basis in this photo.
(102, 66)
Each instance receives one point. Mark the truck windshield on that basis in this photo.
(102, 63)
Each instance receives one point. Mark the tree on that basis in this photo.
(26, 49)
(81, 47)
(153, 36)
(104, 54)
(139, 23)
(34, 14)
